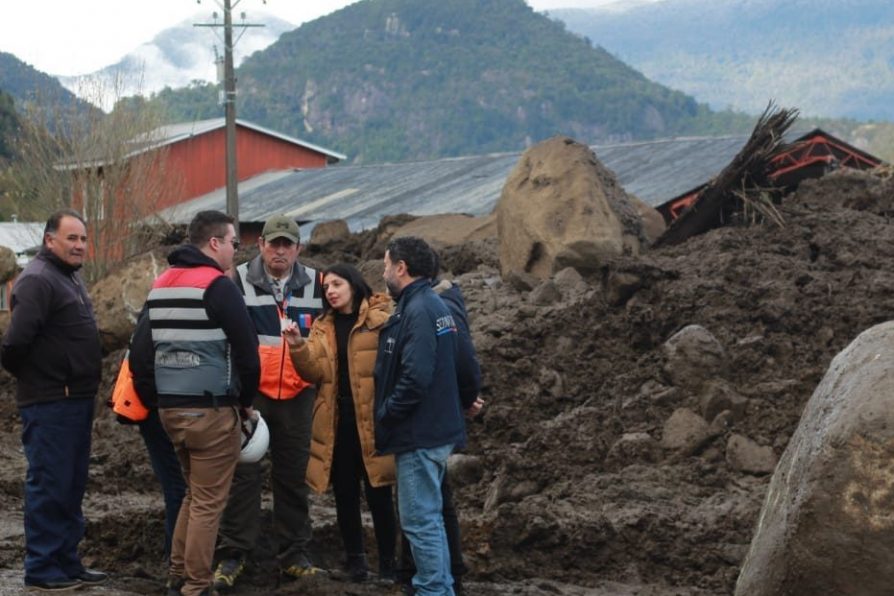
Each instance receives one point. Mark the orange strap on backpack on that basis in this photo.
(125, 402)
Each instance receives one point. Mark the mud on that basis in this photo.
(560, 507)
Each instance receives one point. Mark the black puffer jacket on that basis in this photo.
(468, 371)
(52, 344)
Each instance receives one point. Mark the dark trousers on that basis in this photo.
(167, 471)
(348, 472)
(56, 438)
(407, 568)
(289, 423)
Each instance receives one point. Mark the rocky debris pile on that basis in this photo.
(630, 433)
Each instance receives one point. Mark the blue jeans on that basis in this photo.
(167, 469)
(419, 477)
(56, 438)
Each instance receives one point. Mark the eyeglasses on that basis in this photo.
(232, 241)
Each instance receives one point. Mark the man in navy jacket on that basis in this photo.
(468, 373)
(418, 411)
(52, 348)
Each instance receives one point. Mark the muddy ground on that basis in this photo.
(556, 502)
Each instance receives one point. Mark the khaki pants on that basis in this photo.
(207, 442)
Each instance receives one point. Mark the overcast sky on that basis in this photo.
(68, 37)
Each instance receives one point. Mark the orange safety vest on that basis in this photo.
(279, 379)
(125, 402)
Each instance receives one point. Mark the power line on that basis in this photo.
(228, 97)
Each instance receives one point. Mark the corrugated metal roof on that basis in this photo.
(654, 171)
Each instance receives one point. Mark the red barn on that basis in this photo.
(171, 165)
(196, 155)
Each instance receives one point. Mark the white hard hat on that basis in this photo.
(255, 439)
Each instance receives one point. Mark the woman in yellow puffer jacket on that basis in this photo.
(339, 356)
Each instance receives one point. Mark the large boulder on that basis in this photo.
(329, 232)
(560, 207)
(119, 297)
(827, 524)
(8, 265)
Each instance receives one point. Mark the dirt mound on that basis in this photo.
(580, 492)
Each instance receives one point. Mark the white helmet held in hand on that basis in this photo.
(255, 439)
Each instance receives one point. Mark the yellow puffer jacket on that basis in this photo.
(316, 361)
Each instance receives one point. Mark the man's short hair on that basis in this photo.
(413, 251)
(56, 218)
(206, 225)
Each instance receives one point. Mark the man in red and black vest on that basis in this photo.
(277, 289)
(202, 354)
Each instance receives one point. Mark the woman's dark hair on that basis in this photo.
(349, 273)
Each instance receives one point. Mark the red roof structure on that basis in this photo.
(811, 155)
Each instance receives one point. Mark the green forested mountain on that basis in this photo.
(35, 90)
(384, 80)
(9, 126)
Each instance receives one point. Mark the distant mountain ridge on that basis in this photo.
(31, 88)
(386, 80)
(175, 58)
(831, 58)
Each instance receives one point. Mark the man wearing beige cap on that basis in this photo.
(277, 290)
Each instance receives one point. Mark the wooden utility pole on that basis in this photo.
(228, 98)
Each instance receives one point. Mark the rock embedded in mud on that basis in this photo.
(570, 283)
(620, 287)
(685, 432)
(826, 526)
(633, 448)
(744, 455)
(521, 281)
(693, 356)
(719, 396)
(545, 294)
(464, 470)
(652, 393)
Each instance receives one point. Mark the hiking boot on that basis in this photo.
(92, 577)
(302, 567)
(173, 585)
(357, 568)
(386, 570)
(59, 585)
(227, 572)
